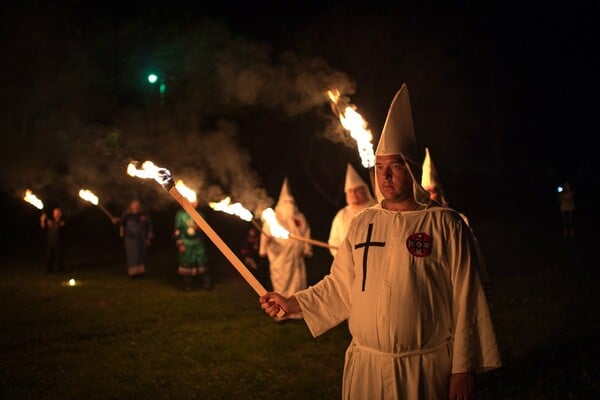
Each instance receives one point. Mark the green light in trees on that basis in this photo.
(152, 78)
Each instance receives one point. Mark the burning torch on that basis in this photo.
(164, 178)
(87, 195)
(268, 214)
(33, 200)
(354, 123)
(279, 231)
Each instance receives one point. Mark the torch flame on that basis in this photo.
(353, 122)
(87, 195)
(149, 171)
(33, 200)
(233, 209)
(185, 191)
(275, 227)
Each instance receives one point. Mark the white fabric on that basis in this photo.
(341, 223)
(398, 137)
(353, 179)
(287, 267)
(409, 303)
(398, 133)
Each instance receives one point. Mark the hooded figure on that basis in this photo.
(358, 197)
(406, 279)
(287, 267)
(431, 181)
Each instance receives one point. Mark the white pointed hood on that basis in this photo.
(398, 137)
(353, 180)
(430, 178)
(286, 204)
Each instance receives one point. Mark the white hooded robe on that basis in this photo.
(408, 285)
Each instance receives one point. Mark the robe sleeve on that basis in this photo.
(326, 304)
(475, 347)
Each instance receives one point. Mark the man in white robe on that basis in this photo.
(287, 267)
(358, 197)
(406, 280)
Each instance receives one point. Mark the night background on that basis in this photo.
(503, 95)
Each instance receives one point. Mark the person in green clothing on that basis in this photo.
(193, 257)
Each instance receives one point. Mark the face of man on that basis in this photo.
(434, 193)
(135, 207)
(56, 214)
(393, 178)
(357, 195)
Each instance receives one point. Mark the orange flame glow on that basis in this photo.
(87, 195)
(233, 209)
(268, 215)
(353, 122)
(148, 170)
(33, 199)
(186, 191)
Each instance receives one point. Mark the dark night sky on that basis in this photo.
(501, 94)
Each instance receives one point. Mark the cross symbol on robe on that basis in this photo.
(366, 245)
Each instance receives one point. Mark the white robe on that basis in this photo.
(341, 223)
(422, 314)
(287, 267)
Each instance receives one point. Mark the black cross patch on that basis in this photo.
(366, 245)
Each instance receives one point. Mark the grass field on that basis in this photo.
(110, 337)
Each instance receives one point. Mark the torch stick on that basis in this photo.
(216, 239)
(296, 237)
(164, 178)
(311, 241)
(105, 211)
(169, 186)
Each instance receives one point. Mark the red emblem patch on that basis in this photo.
(419, 244)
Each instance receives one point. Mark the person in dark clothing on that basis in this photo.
(249, 254)
(55, 240)
(137, 232)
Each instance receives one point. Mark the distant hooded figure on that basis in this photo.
(287, 267)
(358, 197)
(431, 181)
(406, 279)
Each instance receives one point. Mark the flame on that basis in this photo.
(88, 196)
(233, 209)
(33, 199)
(268, 215)
(186, 192)
(149, 171)
(353, 122)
